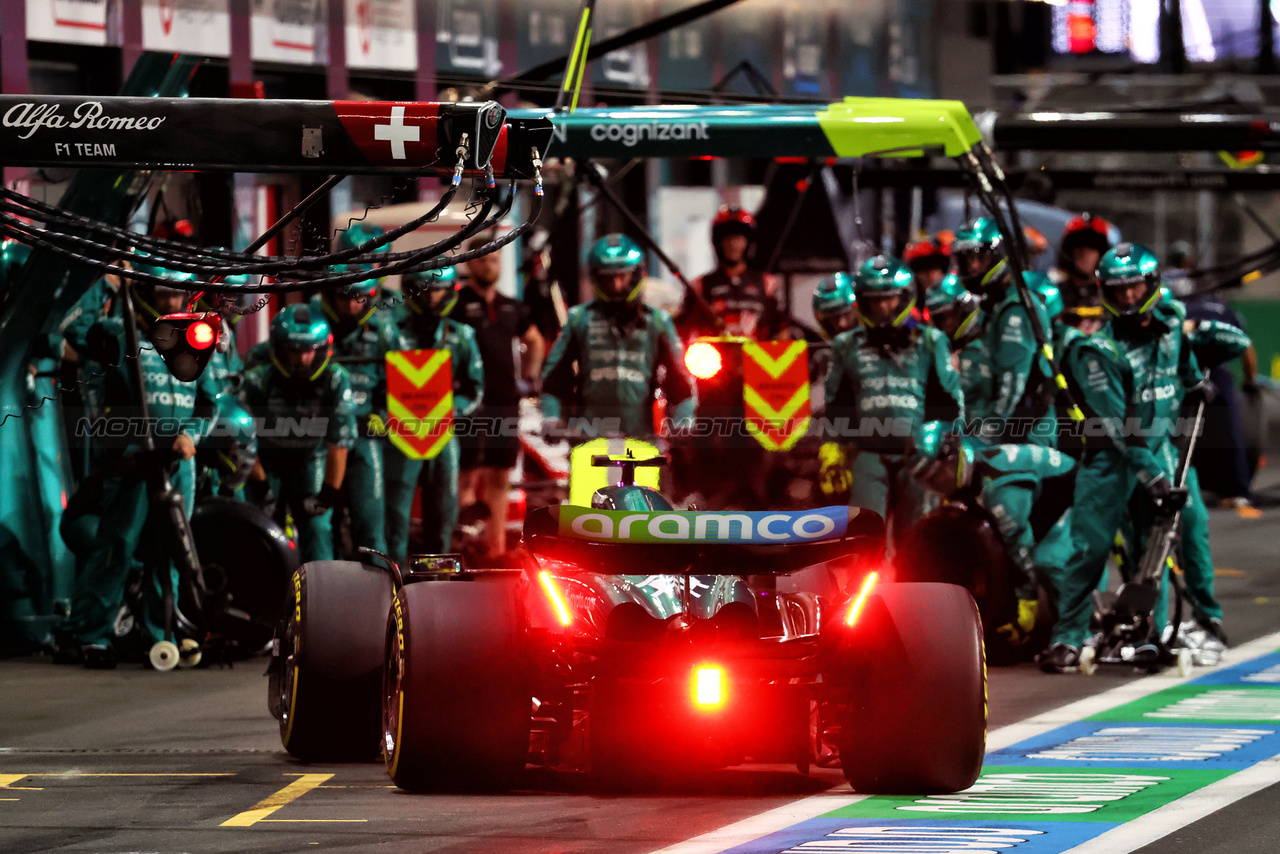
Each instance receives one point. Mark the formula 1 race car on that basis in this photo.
(638, 641)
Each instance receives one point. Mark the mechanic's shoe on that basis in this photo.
(1059, 658)
(98, 657)
(1243, 506)
(66, 650)
(1207, 645)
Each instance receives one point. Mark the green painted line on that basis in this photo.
(1044, 794)
(1201, 704)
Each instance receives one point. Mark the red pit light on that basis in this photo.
(708, 688)
(201, 335)
(861, 599)
(703, 360)
(557, 601)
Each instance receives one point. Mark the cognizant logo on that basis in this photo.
(632, 132)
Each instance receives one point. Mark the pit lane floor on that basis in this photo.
(132, 760)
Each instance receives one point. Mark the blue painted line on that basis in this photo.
(1141, 744)
(832, 835)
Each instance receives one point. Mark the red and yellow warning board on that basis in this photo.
(775, 392)
(420, 401)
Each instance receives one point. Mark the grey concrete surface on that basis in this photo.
(133, 761)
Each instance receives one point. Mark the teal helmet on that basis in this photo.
(611, 255)
(367, 289)
(360, 233)
(954, 310)
(418, 286)
(1049, 295)
(946, 460)
(13, 255)
(145, 293)
(978, 250)
(297, 328)
(1126, 265)
(882, 276)
(834, 304)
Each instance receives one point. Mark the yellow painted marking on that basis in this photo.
(309, 820)
(1227, 572)
(69, 774)
(418, 376)
(266, 806)
(1262, 600)
(7, 780)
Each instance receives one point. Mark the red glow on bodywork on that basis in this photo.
(557, 601)
(861, 599)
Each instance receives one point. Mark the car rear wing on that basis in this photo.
(705, 543)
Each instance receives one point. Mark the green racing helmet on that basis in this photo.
(954, 310)
(613, 254)
(418, 286)
(1126, 265)
(946, 460)
(834, 304)
(368, 289)
(297, 328)
(146, 292)
(361, 233)
(979, 246)
(881, 276)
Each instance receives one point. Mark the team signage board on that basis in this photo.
(75, 21)
(775, 392)
(382, 34)
(288, 31)
(189, 26)
(420, 401)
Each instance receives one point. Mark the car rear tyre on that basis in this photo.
(457, 702)
(326, 684)
(909, 683)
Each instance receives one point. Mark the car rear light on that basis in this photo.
(861, 599)
(708, 687)
(703, 360)
(558, 604)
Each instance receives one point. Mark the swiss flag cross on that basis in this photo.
(391, 133)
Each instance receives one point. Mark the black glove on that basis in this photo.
(260, 492)
(1206, 393)
(1164, 496)
(321, 502)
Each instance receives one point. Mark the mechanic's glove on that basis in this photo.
(1206, 393)
(321, 502)
(834, 475)
(260, 493)
(1018, 631)
(377, 425)
(1164, 496)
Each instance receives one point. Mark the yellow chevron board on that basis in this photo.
(420, 401)
(775, 392)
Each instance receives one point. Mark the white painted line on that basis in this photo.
(780, 818)
(763, 824)
(1159, 823)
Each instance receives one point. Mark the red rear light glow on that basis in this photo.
(702, 360)
(861, 599)
(708, 687)
(557, 601)
(201, 335)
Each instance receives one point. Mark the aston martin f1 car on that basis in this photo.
(638, 642)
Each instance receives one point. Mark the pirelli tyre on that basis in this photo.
(328, 661)
(457, 701)
(246, 563)
(908, 682)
